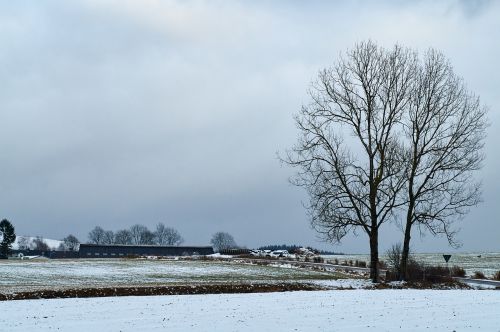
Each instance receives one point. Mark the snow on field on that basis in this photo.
(353, 310)
(30, 275)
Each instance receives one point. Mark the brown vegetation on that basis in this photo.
(159, 290)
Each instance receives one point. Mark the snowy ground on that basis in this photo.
(31, 275)
(348, 310)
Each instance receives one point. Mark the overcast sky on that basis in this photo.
(121, 112)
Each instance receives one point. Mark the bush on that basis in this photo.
(318, 259)
(433, 274)
(478, 275)
(394, 259)
(360, 263)
(457, 271)
(437, 274)
(496, 276)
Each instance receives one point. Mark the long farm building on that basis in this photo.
(114, 250)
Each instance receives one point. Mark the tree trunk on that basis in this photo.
(403, 266)
(374, 271)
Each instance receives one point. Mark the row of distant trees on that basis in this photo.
(138, 235)
(162, 235)
(135, 235)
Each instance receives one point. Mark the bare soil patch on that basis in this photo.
(160, 290)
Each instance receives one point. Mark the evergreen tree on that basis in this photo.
(8, 237)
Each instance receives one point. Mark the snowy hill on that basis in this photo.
(53, 244)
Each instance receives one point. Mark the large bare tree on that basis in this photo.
(354, 186)
(445, 129)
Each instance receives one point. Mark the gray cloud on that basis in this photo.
(118, 112)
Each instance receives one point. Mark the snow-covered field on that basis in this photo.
(353, 310)
(22, 275)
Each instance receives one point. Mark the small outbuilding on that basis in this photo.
(119, 250)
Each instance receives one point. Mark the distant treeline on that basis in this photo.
(293, 247)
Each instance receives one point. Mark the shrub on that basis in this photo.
(478, 275)
(437, 273)
(318, 259)
(457, 271)
(394, 259)
(360, 263)
(420, 272)
(496, 276)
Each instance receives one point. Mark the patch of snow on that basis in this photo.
(53, 244)
(345, 283)
(218, 255)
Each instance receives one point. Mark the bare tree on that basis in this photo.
(354, 186)
(167, 236)
(394, 257)
(141, 235)
(445, 129)
(109, 237)
(40, 244)
(96, 235)
(23, 242)
(123, 237)
(71, 242)
(222, 240)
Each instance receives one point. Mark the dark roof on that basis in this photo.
(140, 245)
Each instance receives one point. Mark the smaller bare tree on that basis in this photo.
(446, 127)
(222, 240)
(167, 236)
(109, 237)
(97, 235)
(23, 243)
(40, 244)
(71, 242)
(123, 236)
(141, 235)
